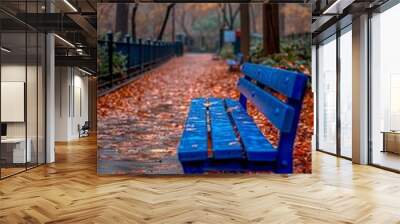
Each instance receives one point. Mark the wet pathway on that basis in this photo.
(139, 126)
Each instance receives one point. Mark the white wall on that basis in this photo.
(71, 102)
(16, 72)
(33, 126)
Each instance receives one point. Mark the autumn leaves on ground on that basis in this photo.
(139, 125)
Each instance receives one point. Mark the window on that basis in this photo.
(346, 92)
(385, 89)
(327, 96)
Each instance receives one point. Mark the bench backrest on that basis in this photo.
(259, 83)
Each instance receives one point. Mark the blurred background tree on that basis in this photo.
(199, 27)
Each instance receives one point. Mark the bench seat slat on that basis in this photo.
(257, 147)
(289, 83)
(225, 144)
(279, 113)
(194, 142)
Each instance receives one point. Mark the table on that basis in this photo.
(391, 141)
(13, 150)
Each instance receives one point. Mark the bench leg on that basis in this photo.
(284, 166)
(193, 167)
(226, 165)
(254, 166)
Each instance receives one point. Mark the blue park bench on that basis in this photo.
(219, 135)
(234, 64)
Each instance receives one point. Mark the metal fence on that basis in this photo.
(139, 56)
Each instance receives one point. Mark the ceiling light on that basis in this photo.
(64, 40)
(86, 72)
(70, 5)
(5, 50)
(337, 7)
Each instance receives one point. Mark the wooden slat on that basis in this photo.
(194, 141)
(225, 144)
(279, 113)
(290, 84)
(257, 147)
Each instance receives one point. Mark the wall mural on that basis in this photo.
(188, 88)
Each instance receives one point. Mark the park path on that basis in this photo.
(139, 125)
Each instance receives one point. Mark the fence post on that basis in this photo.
(110, 57)
(128, 57)
(154, 51)
(141, 55)
(149, 51)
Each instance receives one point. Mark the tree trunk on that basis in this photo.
(133, 20)
(253, 18)
(160, 35)
(173, 25)
(244, 30)
(182, 22)
(223, 11)
(233, 18)
(270, 29)
(121, 23)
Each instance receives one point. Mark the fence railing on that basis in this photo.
(133, 57)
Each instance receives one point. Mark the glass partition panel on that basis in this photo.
(32, 98)
(14, 153)
(22, 77)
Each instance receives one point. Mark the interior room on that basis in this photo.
(71, 103)
(385, 89)
(47, 81)
(22, 99)
(48, 150)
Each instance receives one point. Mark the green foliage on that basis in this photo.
(206, 33)
(206, 24)
(295, 55)
(227, 52)
(119, 62)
